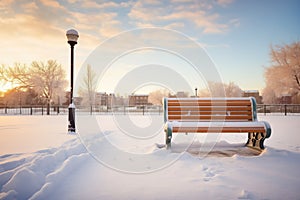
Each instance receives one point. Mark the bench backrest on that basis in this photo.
(210, 109)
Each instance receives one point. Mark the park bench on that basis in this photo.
(215, 115)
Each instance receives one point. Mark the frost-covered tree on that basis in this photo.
(283, 75)
(269, 96)
(217, 89)
(88, 87)
(15, 96)
(156, 96)
(233, 90)
(18, 75)
(214, 89)
(48, 80)
(45, 79)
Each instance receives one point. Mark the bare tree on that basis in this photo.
(217, 89)
(15, 97)
(287, 57)
(2, 74)
(48, 80)
(18, 75)
(283, 74)
(88, 88)
(269, 96)
(214, 89)
(233, 90)
(155, 97)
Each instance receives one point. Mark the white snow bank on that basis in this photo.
(228, 171)
(25, 134)
(20, 179)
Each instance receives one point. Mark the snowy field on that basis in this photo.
(118, 159)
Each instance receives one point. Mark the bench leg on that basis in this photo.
(168, 137)
(256, 140)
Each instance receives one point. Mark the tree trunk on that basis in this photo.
(48, 107)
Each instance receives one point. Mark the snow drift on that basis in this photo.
(73, 170)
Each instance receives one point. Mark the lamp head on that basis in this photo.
(72, 36)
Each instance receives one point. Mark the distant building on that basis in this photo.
(285, 99)
(138, 100)
(101, 99)
(253, 93)
(113, 100)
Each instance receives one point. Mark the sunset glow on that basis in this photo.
(236, 34)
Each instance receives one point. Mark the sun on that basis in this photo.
(4, 87)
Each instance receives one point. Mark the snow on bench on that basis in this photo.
(215, 115)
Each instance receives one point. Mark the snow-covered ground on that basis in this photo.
(120, 157)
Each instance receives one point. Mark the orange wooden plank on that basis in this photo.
(209, 112)
(218, 129)
(241, 103)
(209, 117)
(220, 108)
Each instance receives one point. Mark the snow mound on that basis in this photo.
(25, 177)
(186, 171)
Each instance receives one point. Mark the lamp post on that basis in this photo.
(72, 36)
(196, 92)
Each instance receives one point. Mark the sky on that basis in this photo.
(236, 34)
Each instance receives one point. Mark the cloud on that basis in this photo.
(51, 3)
(140, 12)
(182, 1)
(5, 3)
(90, 4)
(104, 5)
(48, 18)
(224, 2)
(235, 22)
(179, 14)
(103, 24)
(152, 2)
(34, 30)
(30, 7)
(175, 25)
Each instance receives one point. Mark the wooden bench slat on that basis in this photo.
(208, 100)
(218, 129)
(209, 117)
(209, 103)
(209, 112)
(220, 108)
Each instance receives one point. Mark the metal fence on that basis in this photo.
(281, 109)
(61, 110)
(32, 110)
(284, 109)
(122, 110)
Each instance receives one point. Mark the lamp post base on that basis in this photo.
(71, 126)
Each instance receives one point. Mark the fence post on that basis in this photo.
(285, 109)
(31, 110)
(265, 109)
(42, 110)
(5, 109)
